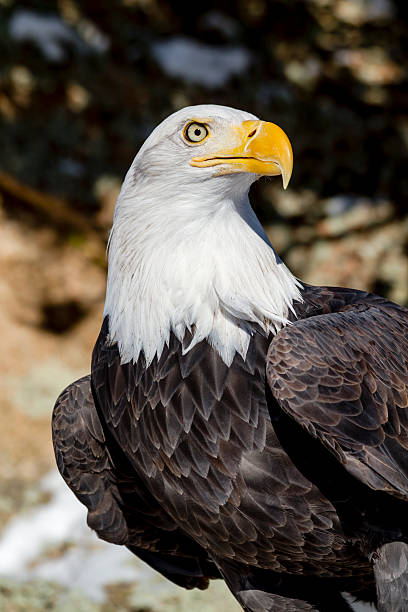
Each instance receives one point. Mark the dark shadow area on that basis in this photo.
(59, 318)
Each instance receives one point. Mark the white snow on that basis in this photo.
(26, 535)
(199, 63)
(87, 565)
(91, 565)
(52, 36)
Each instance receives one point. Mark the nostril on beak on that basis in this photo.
(252, 133)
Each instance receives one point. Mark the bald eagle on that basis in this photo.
(237, 423)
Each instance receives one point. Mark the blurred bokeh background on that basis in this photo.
(82, 83)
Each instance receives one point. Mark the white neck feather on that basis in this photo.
(182, 265)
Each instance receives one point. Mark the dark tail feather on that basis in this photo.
(187, 572)
(391, 575)
(259, 590)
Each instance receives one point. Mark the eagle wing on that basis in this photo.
(83, 461)
(120, 510)
(344, 377)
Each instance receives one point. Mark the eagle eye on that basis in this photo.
(195, 132)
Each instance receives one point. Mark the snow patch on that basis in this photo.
(88, 564)
(52, 36)
(199, 63)
(27, 535)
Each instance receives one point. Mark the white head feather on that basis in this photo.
(187, 252)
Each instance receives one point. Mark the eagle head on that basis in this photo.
(187, 252)
(207, 141)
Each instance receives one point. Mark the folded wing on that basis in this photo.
(344, 377)
(120, 509)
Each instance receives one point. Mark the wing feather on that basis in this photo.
(119, 509)
(344, 377)
(84, 462)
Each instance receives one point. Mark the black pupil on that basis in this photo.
(197, 132)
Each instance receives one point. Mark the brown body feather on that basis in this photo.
(282, 473)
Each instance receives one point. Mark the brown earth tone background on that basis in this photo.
(82, 84)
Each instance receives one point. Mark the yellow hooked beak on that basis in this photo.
(254, 146)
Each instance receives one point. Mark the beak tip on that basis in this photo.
(286, 178)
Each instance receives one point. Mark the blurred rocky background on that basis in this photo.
(82, 83)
